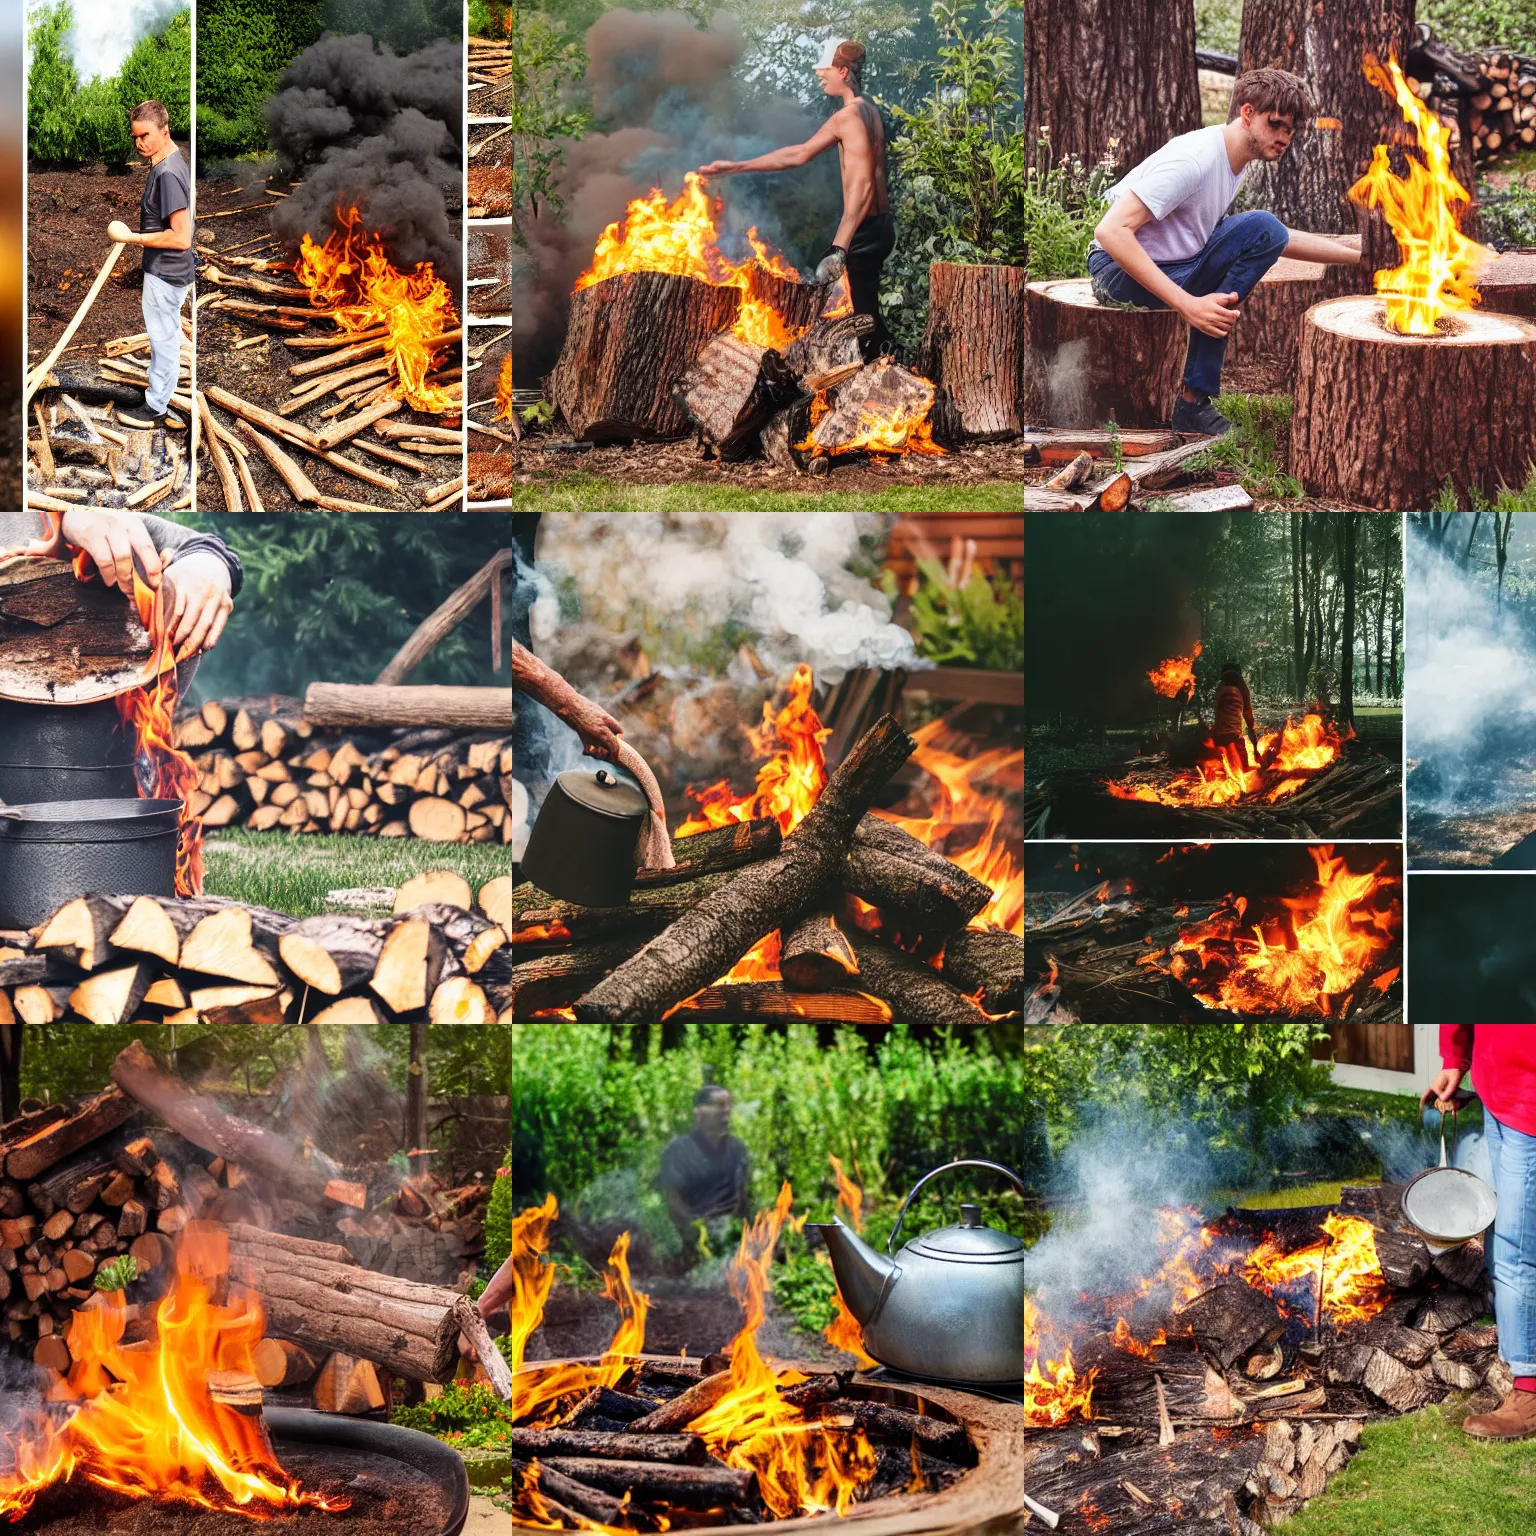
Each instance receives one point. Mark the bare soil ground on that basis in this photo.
(259, 373)
(490, 257)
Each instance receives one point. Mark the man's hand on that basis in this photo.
(120, 232)
(1214, 313)
(832, 265)
(197, 604)
(598, 730)
(115, 542)
(1442, 1090)
(719, 168)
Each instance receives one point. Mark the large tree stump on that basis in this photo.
(1383, 420)
(973, 348)
(629, 340)
(1087, 364)
(731, 389)
(798, 304)
(828, 346)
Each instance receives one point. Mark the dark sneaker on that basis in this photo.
(1513, 1419)
(144, 420)
(1202, 417)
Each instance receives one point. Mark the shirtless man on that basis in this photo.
(866, 234)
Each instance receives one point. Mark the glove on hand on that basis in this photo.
(832, 265)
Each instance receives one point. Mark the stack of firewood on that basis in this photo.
(263, 765)
(120, 959)
(1499, 90)
(839, 891)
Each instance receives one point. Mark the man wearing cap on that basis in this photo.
(866, 234)
(1168, 242)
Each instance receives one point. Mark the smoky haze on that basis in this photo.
(670, 98)
(365, 128)
(106, 30)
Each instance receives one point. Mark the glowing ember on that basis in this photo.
(351, 279)
(882, 428)
(1354, 1287)
(1301, 963)
(504, 407)
(844, 1331)
(1285, 760)
(143, 1422)
(541, 933)
(658, 235)
(1440, 264)
(1176, 675)
(1053, 1395)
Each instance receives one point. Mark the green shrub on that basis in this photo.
(469, 1416)
(159, 68)
(53, 110)
(242, 47)
(1482, 24)
(498, 1220)
(980, 624)
(403, 26)
(1063, 204)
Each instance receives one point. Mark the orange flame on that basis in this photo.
(844, 1331)
(1304, 963)
(1172, 677)
(657, 235)
(1440, 264)
(882, 428)
(146, 1424)
(1354, 1287)
(504, 406)
(1285, 757)
(840, 305)
(1054, 1395)
(352, 279)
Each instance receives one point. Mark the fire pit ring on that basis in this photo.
(991, 1490)
(441, 1463)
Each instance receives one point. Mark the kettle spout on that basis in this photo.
(863, 1276)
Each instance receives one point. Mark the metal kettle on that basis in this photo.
(949, 1306)
(588, 839)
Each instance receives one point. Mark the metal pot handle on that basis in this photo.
(1444, 1163)
(963, 1162)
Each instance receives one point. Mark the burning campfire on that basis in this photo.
(163, 1418)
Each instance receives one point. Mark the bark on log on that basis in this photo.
(769, 1002)
(914, 992)
(1383, 420)
(817, 954)
(783, 430)
(629, 339)
(613, 1446)
(973, 347)
(892, 870)
(557, 979)
(1097, 71)
(720, 848)
(537, 916)
(691, 1487)
(573, 1498)
(104, 1112)
(884, 391)
(445, 618)
(368, 705)
(990, 962)
(63, 631)
(680, 1411)
(728, 922)
(1230, 1319)
(828, 346)
(731, 389)
(1088, 365)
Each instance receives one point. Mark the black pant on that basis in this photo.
(872, 242)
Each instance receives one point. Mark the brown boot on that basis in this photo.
(1513, 1419)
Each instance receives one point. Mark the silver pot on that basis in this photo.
(1448, 1206)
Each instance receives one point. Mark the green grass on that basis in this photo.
(1421, 1474)
(1250, 450)
(593, 493)
(294, 874)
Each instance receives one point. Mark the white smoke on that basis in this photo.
(779, 578)
(106, 30)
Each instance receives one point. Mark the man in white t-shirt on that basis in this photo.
(1168, 242)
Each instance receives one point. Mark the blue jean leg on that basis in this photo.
(161, 305)
(1242, 248)
(1512, 1256)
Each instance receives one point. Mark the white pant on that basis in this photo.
(162, 320)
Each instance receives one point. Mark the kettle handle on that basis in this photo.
(1455, 1128)
(963, 1162)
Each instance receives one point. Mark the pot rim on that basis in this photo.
(90, 821)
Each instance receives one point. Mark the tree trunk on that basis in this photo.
(1326, 45)
(1397, 619)
(1298, 563)
(416, 1090)
(973, 348)
(1381, 420)
(1508, 284)
(731, 389)
(1381, 605)
(11, 1037)
(1088, 365)
(629, 340)
(1097, 71)
(1347, 649)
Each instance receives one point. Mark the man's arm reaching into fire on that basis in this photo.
(598, 730)
(199, 576)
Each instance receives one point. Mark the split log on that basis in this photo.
(892, 870)
(883, 392)
(628, 340)
(691, 1487)
(368, 705)
(1112, 493)
(706, 941)
(1230, 1319)
(679, 1412)
(783, 431)
(914, 992)
(1399, 1386)
(828, 347)
(348, 1385)
(1087, 364)
(988, 963)
(1383, 420)
(103, 1112)
(333, 953)
(816, 954)
(731, 389)
(608, 1445)
(973, 348)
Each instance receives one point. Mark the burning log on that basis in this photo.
(1086, 365)
(688, 1486)
(989, 965)
(1231, 1319)
(973, 348)
(731, 389)
(916, 993)
(892, 870)
(1383, 419)
(558, 978)
(883, 406)
(62, 639)
(609, 1446)
(783, 431)
(828, 347)
(628, 339)
(537, 916)
(817, 955)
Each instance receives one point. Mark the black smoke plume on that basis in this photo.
(365, 128)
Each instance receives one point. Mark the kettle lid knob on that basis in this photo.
(604, 777)
(970, 1215)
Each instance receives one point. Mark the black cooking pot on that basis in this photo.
(53, 852)
(585, 845)
(64, 752)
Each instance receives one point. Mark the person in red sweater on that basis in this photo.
(1503, 1062)
(1234, 711)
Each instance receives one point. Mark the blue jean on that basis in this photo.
(162, 320)
(1512, 1257)
(1242, 248)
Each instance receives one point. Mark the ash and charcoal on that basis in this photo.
(97, 461)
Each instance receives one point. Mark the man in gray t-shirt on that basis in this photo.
(1168, 242)
(165, 232)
